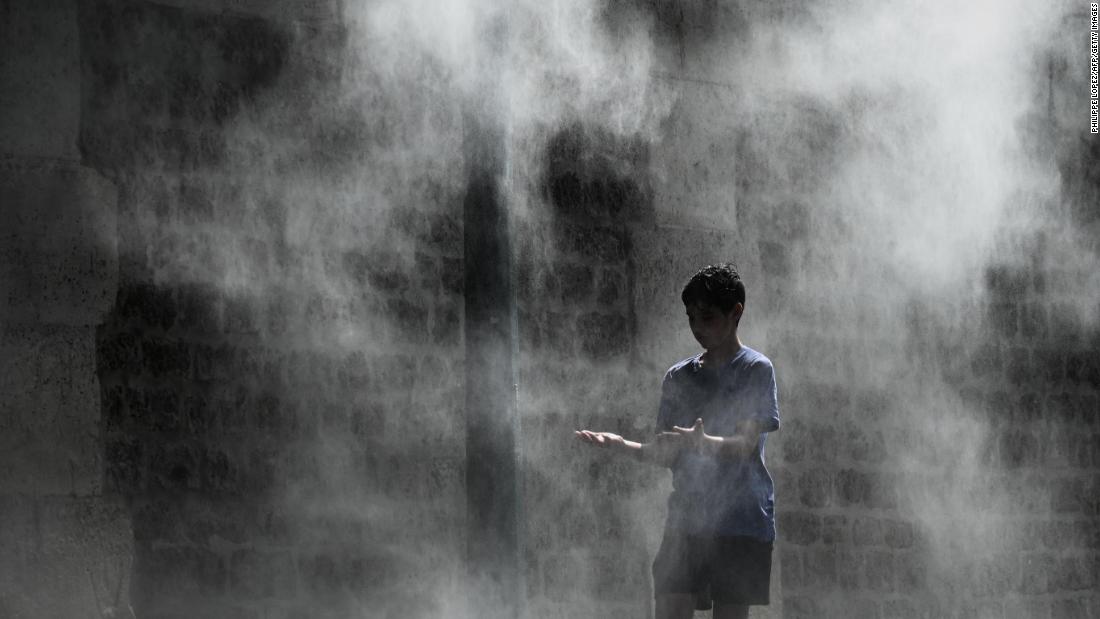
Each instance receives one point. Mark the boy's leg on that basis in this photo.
(731, 611)
(741, 575)
(675, 606)
(678, 583)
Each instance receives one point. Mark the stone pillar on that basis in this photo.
(492, 477)
(65, 547)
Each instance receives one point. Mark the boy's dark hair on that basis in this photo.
(719, 285)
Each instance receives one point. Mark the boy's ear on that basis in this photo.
(737, 310)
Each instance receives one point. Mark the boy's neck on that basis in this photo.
(722, 354)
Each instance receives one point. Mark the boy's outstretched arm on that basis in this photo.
(662, 450)
(740, 444)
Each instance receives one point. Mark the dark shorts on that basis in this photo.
(725, 570)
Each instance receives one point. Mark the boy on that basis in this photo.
(716, 410)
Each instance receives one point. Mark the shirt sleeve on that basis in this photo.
(666, 411)
(766, 409)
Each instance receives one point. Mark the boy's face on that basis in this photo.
(710, 326)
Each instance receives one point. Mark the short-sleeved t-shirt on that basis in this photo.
(721, 495)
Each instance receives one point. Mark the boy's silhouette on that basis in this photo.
(715, 412)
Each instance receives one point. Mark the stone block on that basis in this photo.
(997, 575)
(984, 609)
(853, 487)
(1017, 448)
(1084, 534)
(800, 528)
(611, 289)
(849, 569)
(199, 308)
(593, 244)
(447, 328)
(697, 161)
(1071, 608)
(173, 574)
(50, 413)
(58, 253)
(865, 445)
(884, 491)
(834, 530)
(147, 304)
(577, 282)
(64, 557)
(795, 444)
(119, 354)
(174, 468)
(1048, 534)
(801, 607)
(822, 441)
(166, 359)
(1036, 570)
(912, 574)
(867, 531)
(879, 571)
(820, 566)
(815, 488)
(260, 574)
(1093, 601)
(594, 175)
(604, 336)
(1069, 495)
(621, 576)
(898, 534)
(126, 471)
(1031, 493)
(791, 568)
(1024, 608)
(40, 79)
(1074, 574)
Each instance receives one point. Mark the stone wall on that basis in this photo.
(282, 374)
(938, 451)
(66, 543)
(234, 330)
(579, 368)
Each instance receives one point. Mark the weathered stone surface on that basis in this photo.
(64, 556)
(800, 527)
(39, 80)
(696, 163)
(49, 415)
(58, 260)
(283, 381)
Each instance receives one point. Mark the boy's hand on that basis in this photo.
(663, 450)
(735, 446)
(600, 439)
(698, 439)
(695, 434)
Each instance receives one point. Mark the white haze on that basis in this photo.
(928, 95)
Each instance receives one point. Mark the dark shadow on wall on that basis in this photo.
(576, 274)
(1041, 342)
(596, 186)
(160, 82)
(194, 419)
(264, 466)
(594, 175)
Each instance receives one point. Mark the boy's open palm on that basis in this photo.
(600, 439)
(695, 434)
